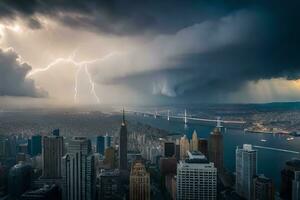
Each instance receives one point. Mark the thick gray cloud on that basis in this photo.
(13, 81)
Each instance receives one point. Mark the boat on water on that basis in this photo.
(289, 138)
(263, 140)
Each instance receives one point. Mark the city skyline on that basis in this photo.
(92, 52)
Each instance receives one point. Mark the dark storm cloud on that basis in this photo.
(13, 81)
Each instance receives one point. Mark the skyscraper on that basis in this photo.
(290, 180)
(139, 182)
(36, 145)
(78, 170)
(53, 147)
(107, 142)
(100, 144)
(203, 146)
(184, 147)
(194, 142)
(109, 185)
(246, 169)
(263, 188)
(55, 132)
(169, 149)
(196, 178)
(123, 145)
(215, 152)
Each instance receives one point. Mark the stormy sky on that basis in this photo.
(151, 51)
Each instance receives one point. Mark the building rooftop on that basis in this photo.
(196, 157)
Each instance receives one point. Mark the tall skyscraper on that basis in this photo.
(194, 142)
(36, 145)
(184, 147)
(215, 152)
(246, 169)
(100, 144)
(78, 170)
(263, 188)
(107, 142)
(203, 146)
(109, 185)
(196, 178)
(169, 149)
(290, 180)
(123, 145)
(139, 182)
(53, 147)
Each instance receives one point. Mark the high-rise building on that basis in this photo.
(55, 132)
(246, 169)
(194, 142)
(53, 147)
(139, 182)
(177, 151)
(203, 146)
(78, 170)
(263, 188)
(168, 166)
(107, 142)
(100, 144)
(184, 147)
(109, 185)
(123, 145)
(36, 145)
(169, 149)
(290, 180)
(19, 180)
(196, 178)
(215, 152)
(110, 157)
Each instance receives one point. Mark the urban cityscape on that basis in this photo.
(149, 100)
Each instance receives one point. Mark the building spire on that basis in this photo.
(123, 120)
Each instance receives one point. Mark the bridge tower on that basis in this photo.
(168, 115)
(185, 118)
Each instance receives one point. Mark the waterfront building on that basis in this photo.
(78, 171)
(184, 147)
(53, 147)
(194, 142)
(196, 178)
(123, 145)
(246, 169)
(139, 182)
(169, 149)
(263, 188)
(216, 150)
(290, 180)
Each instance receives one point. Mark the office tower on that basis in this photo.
(29, 146)
(36, 145)
(246, 169)
(53, 147)
(110, 157)
(177, 152)
(194, 142)
(215, 152)
(47, 192)
(55, 132)
(107, 142)
(19, 180)
(290, 179)
(78, 170)
(263, 188)
(123, 145)
(184, 147)
(196, 178)
(169, 149)
(109, 185)
(139, 182)
(168, 166)
(203, 146)
(100, 145)
(296, 186)
(22, 148)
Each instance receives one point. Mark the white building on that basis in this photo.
(196, 178)
(246, 169)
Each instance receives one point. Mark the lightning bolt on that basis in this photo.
(79, 66)
(91, 83)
